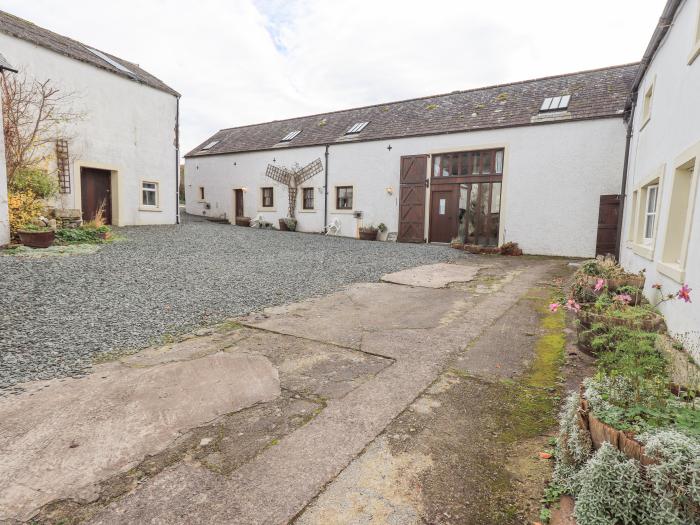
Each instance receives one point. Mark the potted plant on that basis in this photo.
(382, 232)
(243, 221)
(36, 236)
(288, 224)
(368, 233)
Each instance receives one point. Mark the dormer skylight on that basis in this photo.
(356, 128)
(555, 103)
(289, 136)
(110, 61)
(210, 145)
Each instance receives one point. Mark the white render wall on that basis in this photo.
(128, 128)
(554, 175)
(4, 218)
(673, 128)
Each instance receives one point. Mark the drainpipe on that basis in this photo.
(325, 191)
(177, 160)
(623, 190)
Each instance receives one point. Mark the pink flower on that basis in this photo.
(623, 298)
(684, 293)
(599, 284)
(572, 305)
(554, 307)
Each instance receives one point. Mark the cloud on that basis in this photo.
(246, 61)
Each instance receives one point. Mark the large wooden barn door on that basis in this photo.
(607, 225)
(412, 199)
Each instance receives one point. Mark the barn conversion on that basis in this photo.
(530, 162)
(120, 148)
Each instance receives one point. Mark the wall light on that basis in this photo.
(390, 190)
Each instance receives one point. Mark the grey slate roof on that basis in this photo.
(599, 93)
(4, 64)
(25, 30)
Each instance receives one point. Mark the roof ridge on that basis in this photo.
(427, 97)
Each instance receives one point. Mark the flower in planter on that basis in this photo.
(599, 284)
(684, 293)
(572, 305)
(554, 307)
(623, 298)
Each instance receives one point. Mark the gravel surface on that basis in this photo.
(58, 313)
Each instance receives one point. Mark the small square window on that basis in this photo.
(149, 194)
(268, 197)
(210, 145)
(650, 213)
(307, 198)
(646, 103)
(290, 136)
(356, 128)
(201, 193)
(343, 197)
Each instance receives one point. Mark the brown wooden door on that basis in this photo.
(239, 211)
(607, 225)
(443, 214)
(412, 199)
(95, 189)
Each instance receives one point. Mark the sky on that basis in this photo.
(239, 62)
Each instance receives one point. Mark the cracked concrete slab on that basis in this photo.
(433, 275)
(61, 437)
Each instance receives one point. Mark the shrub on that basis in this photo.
(36, 181)
(291, 224)
(84, 235)
(24, 207)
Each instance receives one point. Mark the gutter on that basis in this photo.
(623, 189)
(325, 190)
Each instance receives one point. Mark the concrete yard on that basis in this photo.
(423, 402)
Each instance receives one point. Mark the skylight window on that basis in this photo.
(110, 61)
(210, 145)
(556, 103)
(289, 136)
(356, 128)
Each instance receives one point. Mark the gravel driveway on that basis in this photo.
(57, 313)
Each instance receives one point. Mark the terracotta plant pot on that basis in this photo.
(368, 235)
(37, 239)
(472, 248)
(457, 245)
(283, 226)
(243, 221)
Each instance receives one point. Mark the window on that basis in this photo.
(680, 215)
(307, 198)
(201, 193)
(650, 213)
(356, 128)
(343, 197)
(695, 50)
(289, 136)
(646, 103)
(149, 194)
(559, 103)
(268, 197)
(467, 164)
(210, 145)
(111, 61)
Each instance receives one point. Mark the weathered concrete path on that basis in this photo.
(381, 403)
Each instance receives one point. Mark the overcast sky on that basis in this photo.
(240, 62)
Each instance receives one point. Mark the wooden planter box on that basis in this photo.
(283, 226)
(614, 284)
(368, 235)
(654, 323)
(243, 221)
(37, 239)
(601, 432)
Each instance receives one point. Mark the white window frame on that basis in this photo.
(641, 244)
(675, 269)
(649, 236)
(695, 47)
(301, 204)
(155, 190)
(648, 102)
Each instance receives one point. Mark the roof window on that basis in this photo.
(110, 61)
(356, 128)
(289, 136)
(210, 145)
(555, 103)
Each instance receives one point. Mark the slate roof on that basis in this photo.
(25, 30)
(599, 93)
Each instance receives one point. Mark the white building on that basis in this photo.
(528, 162)
(661, 232)
(123, 151)
(4, 218)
